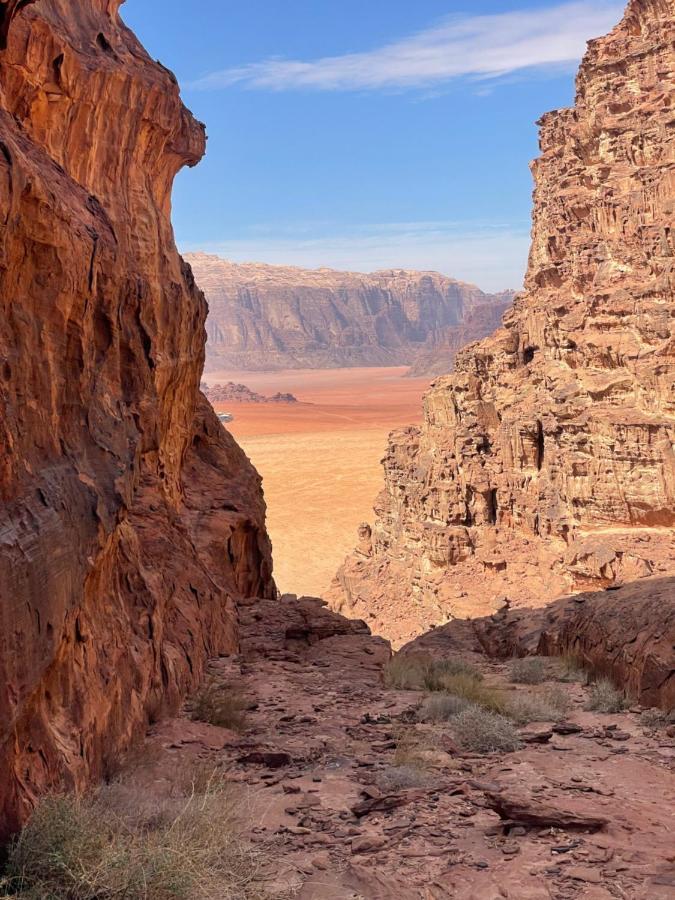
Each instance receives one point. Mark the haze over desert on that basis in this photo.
(320, 458)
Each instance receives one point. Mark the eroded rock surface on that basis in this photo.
(349, 793)
(129, 519)
(281, 317)
(546, 463)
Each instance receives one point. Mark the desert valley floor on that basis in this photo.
(320, 458)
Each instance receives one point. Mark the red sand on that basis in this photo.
(320, 458)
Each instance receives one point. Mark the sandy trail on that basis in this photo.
(320, 459)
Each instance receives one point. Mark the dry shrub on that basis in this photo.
(107, 845)
(605, 698)
(653, 719)
(219, 704)
(472, 690)
(400, 778)
(442, 707)
(481, 731)
(419, 671)
(550, 705)
(570, 669)
(441, 672)
(406, 672)
(529, 670)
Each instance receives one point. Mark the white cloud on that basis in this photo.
(488, 46)
(493, 257)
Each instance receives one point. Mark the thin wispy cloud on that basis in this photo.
(488, 46)
(491, 256)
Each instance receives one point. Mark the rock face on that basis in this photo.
(627, 634)
(240, 393)
(129, 519)
(546, 463)
(276, 317)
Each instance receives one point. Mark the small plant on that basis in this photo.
(400, 778)
(549, 705)
(468, 688)
(481, 731)
(529, 670)
(406, 672)
(605, 698)
(219, 704)
(442, 707)
(440, 673)
(570, 669)
(102, 847)
(653, 719)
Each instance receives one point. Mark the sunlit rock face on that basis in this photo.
(546, 464)
(283, 317)
(129, 519)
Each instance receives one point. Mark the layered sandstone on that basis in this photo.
(279, 317)
(546, 464)
(129, 519)
(231, 392)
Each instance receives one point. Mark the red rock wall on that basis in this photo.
(129, 519)
(546, 464)
(283, 317)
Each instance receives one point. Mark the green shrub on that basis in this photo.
(100, 848)
(482, 731)
(529, 670)
(605, 698)
(219, 704)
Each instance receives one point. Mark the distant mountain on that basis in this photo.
(279, 317)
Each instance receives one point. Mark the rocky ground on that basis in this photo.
(349, 796)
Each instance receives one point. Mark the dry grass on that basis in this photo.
(481, 731)
(653, 719)
(442, 708)
(605, 698)
(403, 777)
(570, 669)
(549, 705)
(108, 845)
(219, 704)
(419, 671)
(529, 670)
(468, 688)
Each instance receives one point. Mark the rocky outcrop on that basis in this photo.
(546, 464)
(276, 317)
(129, 519)
(240, 393)
(626, 634)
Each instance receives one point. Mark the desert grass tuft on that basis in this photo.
(419, 672)
(104, 846)
(481, 731)
(605, 698)
(219, 704)
(529, 670)
(549, 705)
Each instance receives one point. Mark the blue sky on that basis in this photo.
(365, 135)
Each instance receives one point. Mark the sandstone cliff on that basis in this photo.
(276, 317)
(129, 519)
(546, 463)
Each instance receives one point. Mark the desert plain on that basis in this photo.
(320, 459)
